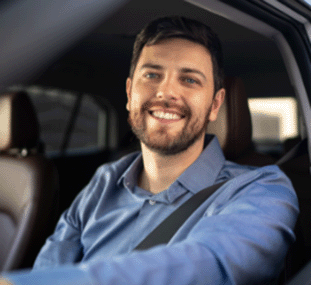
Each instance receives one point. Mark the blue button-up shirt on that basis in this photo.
(239, 235)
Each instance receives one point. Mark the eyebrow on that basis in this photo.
(151, 65)
(193, 70)
(183, 70)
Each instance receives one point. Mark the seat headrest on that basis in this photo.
(19, 127)
(233, 126)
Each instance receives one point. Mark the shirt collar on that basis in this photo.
(129, 176)
(205, 170)
(201, 174)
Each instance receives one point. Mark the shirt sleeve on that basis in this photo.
(243, 240)
(62, 247)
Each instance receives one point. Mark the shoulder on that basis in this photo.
(265, 174)
(105, 179)
(259, 195)
(258, 183)
(114, 170)
(247, 172)
(109, 174)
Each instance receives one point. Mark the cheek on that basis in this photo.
(137, 103)
(139, 97)
(134, 102)
(144, 88)
(199, 106)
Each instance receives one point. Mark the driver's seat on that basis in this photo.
(233, 126)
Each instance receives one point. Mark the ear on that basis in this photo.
(128, 92)
(216, 104)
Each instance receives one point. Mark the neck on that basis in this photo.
(160, 171)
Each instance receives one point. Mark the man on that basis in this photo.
(239, 235)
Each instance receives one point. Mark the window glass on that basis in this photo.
(274, 120)
(90, 126)
(54, 109)
(308, 2)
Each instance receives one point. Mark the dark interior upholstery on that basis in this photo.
(233, 126)
(28, 184)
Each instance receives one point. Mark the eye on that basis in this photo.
(190, 80)
(151, 75)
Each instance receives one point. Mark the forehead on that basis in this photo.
(177, 52)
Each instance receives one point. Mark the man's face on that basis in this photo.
(170, 97)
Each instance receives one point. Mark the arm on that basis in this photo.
(64, 245)
(241, 241)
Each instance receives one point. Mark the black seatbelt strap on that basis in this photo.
(303, 278)
(165, 231)
(299, 149)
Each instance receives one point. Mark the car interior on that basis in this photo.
(29, 184)
(65, 121)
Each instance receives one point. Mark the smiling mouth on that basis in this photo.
(165, 115)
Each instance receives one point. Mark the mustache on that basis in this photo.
(184, 110)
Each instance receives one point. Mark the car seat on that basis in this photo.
(28, 184)
(233, 126)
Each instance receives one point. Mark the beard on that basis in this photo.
(160, 140)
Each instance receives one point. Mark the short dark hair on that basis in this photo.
(180, 27)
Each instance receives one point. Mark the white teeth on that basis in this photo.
(167, 116)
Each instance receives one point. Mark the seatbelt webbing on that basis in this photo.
(299, 149)
(165, 231)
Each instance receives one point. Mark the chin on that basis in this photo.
(168, 146)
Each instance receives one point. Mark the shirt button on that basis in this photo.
(151, 202)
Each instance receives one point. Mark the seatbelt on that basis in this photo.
(303, 277)
(165, 231)
(299, 149)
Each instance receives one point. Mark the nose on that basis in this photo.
(168, 89)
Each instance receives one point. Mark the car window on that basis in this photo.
(67, 122)
(90, 126)
(274, 122)
(308, 2)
